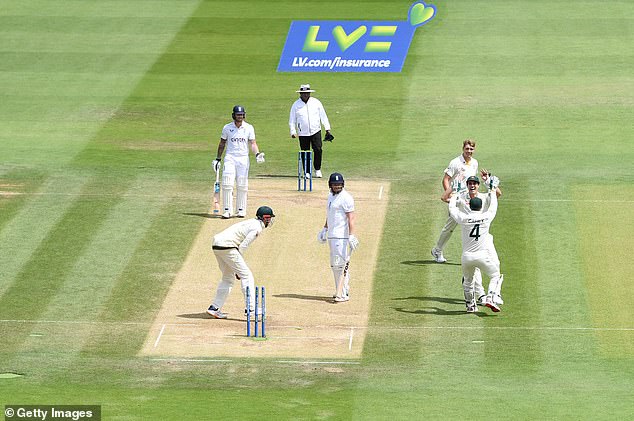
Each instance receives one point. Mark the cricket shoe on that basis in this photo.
(216, 313)
(438, 257)
(491, 304)
(226, 215)
(342, 299)
(482, 300)
(472, 308)
(497, 299)
(318, 174)
(307, 176)
(241, 214)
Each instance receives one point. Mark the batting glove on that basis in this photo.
(259, 157)
(329, 137)
(322, 237)
(353, 241)
(216, 164)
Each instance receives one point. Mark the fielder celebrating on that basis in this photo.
(338, 231)
(236, 137)
(456, 173)
(306, 117)
(478, 250)
(473, 185)
(229, 247)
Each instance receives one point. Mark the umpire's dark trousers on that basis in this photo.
(305, 143)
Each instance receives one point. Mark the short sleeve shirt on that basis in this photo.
(460, 170)
(238, 138)
(338, 205)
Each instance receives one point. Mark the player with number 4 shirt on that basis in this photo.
(478, 250)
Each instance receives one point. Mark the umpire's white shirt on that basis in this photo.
(238, 138)
(307, 117)
(459, 170)
(239, 235)
(337, 220)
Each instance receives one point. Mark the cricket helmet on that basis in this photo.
(474, 179)
(238, 109)
(335, 178)
(265, 214)
(475, 203)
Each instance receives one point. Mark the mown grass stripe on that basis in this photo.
(23, 233)
(48, 266)
(605, 232)
(139, 291)
(95, 273)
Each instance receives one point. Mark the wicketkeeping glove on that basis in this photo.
(329, 137)
(259, 157)
(322, 237)
(216, 164)
(493, 182)
(353, 241)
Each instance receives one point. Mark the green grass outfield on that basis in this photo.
(110, 114)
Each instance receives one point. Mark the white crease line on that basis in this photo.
(381, 192)
(159, 336)
(351, 335)
(190, 360)
(377, 328)
(316, 362)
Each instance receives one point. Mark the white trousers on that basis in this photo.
(339, 258)
(235, 168)
(231, 263)
(488, 263)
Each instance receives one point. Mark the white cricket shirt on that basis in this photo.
(338, 205)
(239, 235)
(307, 117)
(475, 225)
(238, 138)
(458, 169)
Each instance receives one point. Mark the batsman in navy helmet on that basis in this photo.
(338, 232)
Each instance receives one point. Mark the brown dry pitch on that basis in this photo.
(301, 320)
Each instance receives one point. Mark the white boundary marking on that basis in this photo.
(203, 360)
(159, 336)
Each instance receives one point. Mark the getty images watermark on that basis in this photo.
(52, 412)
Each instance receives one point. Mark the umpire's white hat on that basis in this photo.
(305, 88)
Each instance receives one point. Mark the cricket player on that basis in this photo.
(237, 137)
(456, 174)
(477, 248)
(229, 247)
(306, 118)
(473, 186)
(338, 231)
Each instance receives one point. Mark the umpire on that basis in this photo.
(306, 119)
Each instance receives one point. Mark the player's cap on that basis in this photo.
(305, 88)
(473, 178)
(475, 204)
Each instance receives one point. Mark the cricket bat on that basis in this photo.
(217, 192)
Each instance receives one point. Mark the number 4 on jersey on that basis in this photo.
(475, 232)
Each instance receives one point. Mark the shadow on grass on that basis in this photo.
(436, 299)
(427, 262)
(201, 215)
(305, 297)
(204, 315)
(436, 311)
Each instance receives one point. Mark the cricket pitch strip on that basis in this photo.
(301, 320)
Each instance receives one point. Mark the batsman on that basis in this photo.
(338, 231)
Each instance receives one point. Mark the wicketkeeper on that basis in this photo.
(229, 247)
